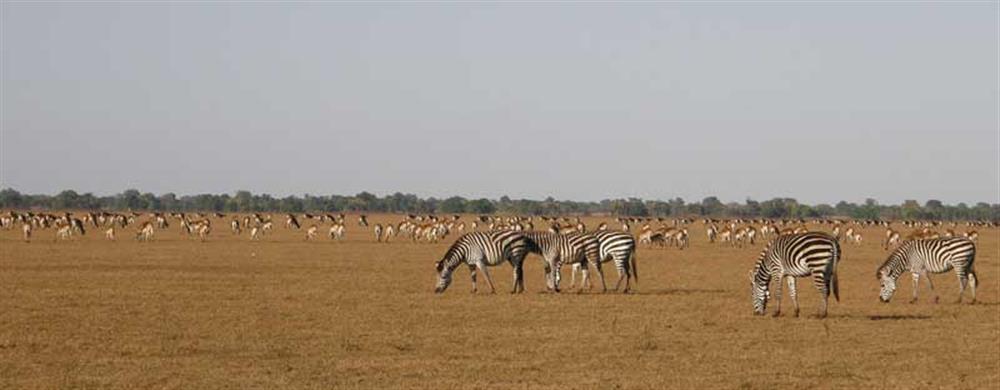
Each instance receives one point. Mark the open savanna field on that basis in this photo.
(283, 312)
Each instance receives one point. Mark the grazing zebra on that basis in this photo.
(480, 250)
(558, 249)
(617, 246)
(378, 232)
(796, 255)
(924, 257)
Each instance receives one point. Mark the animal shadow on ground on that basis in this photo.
(679, 291)
(899, 317)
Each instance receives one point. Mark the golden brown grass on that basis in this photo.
(285, 313)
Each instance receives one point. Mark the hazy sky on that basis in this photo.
(820, 102)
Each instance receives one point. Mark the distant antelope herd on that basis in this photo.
(652, 232)
(489, 240)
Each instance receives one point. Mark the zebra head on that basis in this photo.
(759, 291)
(444, 276)
(888, 285)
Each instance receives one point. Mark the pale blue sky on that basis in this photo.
(820, 102)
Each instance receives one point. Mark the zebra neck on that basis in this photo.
(897, 264)
(761, 273)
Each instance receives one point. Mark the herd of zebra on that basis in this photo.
(793, 251)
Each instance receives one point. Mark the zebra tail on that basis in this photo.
(635, 271)
(833, 275)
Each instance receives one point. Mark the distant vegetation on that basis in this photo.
(244, 201)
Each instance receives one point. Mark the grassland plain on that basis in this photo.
(287, 313)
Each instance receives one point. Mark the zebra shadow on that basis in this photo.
(679, 291)
(898, 317)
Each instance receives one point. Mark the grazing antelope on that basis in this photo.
(291, 222)
(891, 239)
(145, 232)
(255, 233)
(363, 220)
(26, 230)
(390, 231)
(972, 235)
(235, 226)
(110, 233)
(203, 230)
(311, 233)
(64, 233)
(336, 232)
(378, 232)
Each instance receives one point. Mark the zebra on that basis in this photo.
(796, 255)
(617, 246)
(479, 250)
(558, 249)
(924, 257)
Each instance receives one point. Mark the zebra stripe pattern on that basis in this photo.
(617, 246)
(793, 256)
(479, 250)
(558, 249)
(924, 257)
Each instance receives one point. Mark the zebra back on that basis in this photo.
(495, 245)
(939, 255)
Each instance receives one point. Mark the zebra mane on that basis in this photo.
(453, 256)
(892, 263)
(760, 269)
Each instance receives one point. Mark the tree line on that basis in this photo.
(244, 201)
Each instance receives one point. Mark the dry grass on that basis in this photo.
(230, 313)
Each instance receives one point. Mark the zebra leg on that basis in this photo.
(572, 276)
(518, 278)
(973, 281)
(472, 273)
(793, 293)
(916, 286)
(489, 278)
(931, 285)
(963, 279)
(777, 297)
(557, 276)
(600, 272)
